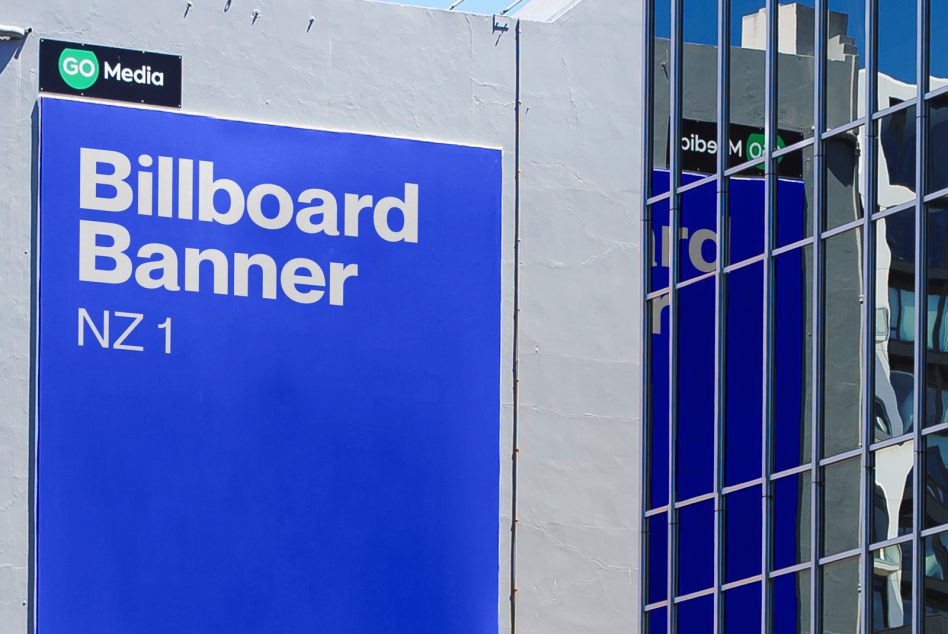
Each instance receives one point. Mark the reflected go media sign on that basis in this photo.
(699, 147)
(104, 72)
(269, 377)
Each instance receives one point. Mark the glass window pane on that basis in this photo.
(936, 375)
(791, 603)
(897, 43)
(744, 382)
(842, 343)
(656, 621)
(742, 521)
(793, 352)
(937, 142)
(896, 157)
(843, 170)
(661, 63)
(695, 451)
(660, 242)
(699, 78)
(845, 57)
(747, 199)
(841, 596)
(791, 520)
(841, 496)
(658, 403)
(892, 491)
(936, 479)
(748, 90)
(794, 197)
(894, 332)
(892, 587)
(695, 547)
(697, 247)
(656, 559)
(936, 582)
(697, 615)
(742, 609)
(795, 72)
(938, 17)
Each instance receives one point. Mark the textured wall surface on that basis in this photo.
(380, 68)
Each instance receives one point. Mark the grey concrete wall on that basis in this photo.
(381, 68)
(581, 316)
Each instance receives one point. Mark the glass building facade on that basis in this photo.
(796, 418)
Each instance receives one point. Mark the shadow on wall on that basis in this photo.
(10, 49)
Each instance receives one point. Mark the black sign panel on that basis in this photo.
(699, 147)
(110, 73)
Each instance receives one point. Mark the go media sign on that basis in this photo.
(269, 378)
(110, 73)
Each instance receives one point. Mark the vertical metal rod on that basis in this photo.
(770, 189)
(921, 328)
(648, 64)
(674, 203)
(816, 385)
(720, 345)
(516, 338)
(869, 184)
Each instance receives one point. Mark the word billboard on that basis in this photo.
(269, 378)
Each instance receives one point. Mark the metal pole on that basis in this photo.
(516, 340)
(770, 188)
(921, 336)
(674, 178)
(648, 88)
(720, 346)
(816, 415)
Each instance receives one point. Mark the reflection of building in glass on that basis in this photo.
(816, 291)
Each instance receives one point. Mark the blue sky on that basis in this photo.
(896, 19)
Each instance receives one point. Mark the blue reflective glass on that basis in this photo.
(656, 621)
(894, 318)
(660, 239)
(936, 479)
(657, 557)
(695, 451)
(937, 139)
(791, 603)
(938, 17)
(936, 582)
(892, 588)
(744, 375)
(794, 213)
(695, 547)
(742, 534)
(936, 376)
(696, 616)
(791, 521)
(697, 247)
(896, 42)
(746, 204)
(742, 609)
(846, 56)
(658, 403)
(792, 354)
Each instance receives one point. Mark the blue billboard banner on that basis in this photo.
(269, 378)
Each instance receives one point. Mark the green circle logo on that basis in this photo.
(78, 68)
